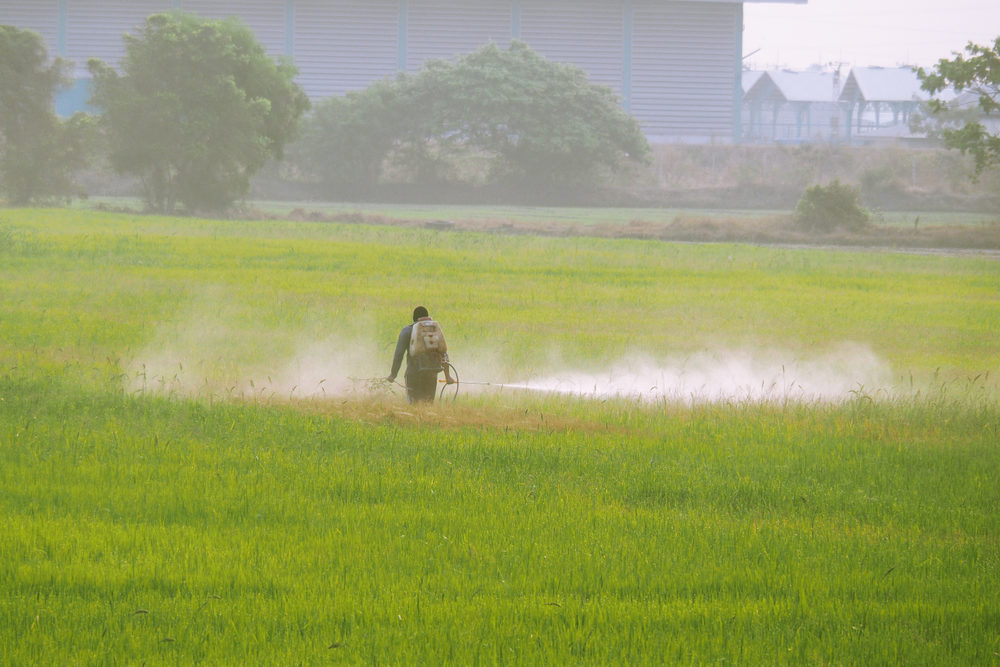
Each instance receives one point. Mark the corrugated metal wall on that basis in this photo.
(343, 45)
(266, 19)
(439, 29)
(684, 67)
(586, 33)
(94, 28)
(674, 63)
(42, 16)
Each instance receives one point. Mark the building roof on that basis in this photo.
(748, 78)
(788, 86)
(883, 84)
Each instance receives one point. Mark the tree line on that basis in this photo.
(197, 107)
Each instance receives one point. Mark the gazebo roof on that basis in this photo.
(788, 86)
(748, 78)
(883, 84)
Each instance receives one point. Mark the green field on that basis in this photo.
(195, 466)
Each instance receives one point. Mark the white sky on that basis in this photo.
(865, 32)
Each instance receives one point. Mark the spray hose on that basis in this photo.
(454, 373)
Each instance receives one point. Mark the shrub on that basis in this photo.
(535, 124)
(826, 208)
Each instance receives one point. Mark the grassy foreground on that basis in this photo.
(168, 498)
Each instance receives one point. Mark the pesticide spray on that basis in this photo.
(723, 375)
(716, 376)
(201, 352)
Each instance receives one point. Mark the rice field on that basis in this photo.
(724, 453)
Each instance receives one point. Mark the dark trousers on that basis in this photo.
(421, 386)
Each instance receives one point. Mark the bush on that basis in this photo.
(826, 208)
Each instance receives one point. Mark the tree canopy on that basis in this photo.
(38, 151)
(532, 120)
(199, 107)
(976, 71)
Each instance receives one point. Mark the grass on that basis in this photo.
(156, 530)
(204, 519)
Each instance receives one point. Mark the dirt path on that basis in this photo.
(955, 240)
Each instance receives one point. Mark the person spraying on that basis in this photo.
(426, 352)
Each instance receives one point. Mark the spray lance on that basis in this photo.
(456, 383)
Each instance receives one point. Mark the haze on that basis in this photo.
(863, 33)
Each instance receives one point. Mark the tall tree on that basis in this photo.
(976, 71)
(38, 151)
(198, 109)
(544, 121)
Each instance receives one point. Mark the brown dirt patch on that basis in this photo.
(775, 230)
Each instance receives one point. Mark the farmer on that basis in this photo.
(426, 356)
